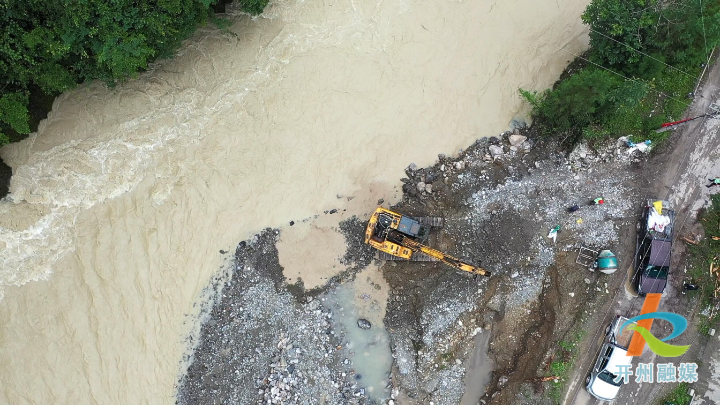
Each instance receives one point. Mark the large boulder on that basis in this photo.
(495, 151)
(5, 175)
(516, 140)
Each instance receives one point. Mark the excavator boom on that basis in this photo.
(445, 258)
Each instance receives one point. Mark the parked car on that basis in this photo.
(654, 247)
(600, 383)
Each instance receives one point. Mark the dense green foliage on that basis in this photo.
(625, 86)
(584, 98)
(625, 21)
(54, 45)
(675, 32)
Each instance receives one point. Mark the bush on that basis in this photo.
(253, 7)
(630, 90)
(583, 100)
(678, 396)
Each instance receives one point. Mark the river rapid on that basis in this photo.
(122, 200)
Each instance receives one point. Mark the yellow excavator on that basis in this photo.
(400, 236)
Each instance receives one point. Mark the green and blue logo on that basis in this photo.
(658, 346)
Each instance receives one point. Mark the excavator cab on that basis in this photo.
(398, 236)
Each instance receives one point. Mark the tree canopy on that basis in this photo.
(645, 57)
(678, 32)
(52, 45)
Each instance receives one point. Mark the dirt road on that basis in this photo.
(678, 174)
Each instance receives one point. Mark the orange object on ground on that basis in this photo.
(637, 344)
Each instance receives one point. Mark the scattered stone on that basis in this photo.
(428, 188)
(460, 165)
(502, 381)
(587, 281)
(516, 140)
(380, 201)
(421, 186)
(292, 223)
(222, 252)
(412, 167)
(364, 324)
(514, 274)
(495, 151)
(332, 211)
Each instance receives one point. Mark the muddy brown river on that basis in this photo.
(121, 201)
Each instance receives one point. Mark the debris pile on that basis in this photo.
(260, 346)
(499, 199)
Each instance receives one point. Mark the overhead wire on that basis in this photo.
(702, 19)
(626, 78)
(642, 53)
(674, 229)
(637, 250)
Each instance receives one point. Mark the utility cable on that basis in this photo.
(636, 273)
(625, 77)
(702, 18)
(643, 53)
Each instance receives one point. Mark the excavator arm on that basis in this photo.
(445, 258)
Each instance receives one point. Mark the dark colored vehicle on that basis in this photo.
(654, 247)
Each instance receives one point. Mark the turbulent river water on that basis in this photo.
(121, 201)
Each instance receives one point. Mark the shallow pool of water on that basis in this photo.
(367, 349)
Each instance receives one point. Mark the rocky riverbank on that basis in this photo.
(269, 341)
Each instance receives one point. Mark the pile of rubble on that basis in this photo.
(614, 150)
(500, 197)
(260, 346)
(481, 155)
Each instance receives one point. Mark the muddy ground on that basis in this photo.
(498, 212)
(499, 201)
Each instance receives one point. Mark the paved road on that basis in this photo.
(692, 157)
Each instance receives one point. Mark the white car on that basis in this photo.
(601, 383)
